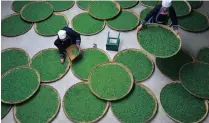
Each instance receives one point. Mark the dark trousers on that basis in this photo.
(62, 46)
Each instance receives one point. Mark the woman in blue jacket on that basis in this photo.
(160, 14)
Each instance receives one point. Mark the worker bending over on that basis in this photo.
(66, 37)
(160, 14)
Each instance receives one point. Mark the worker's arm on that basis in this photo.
(152, 13)
(59, 44)
(78, 40)
(174, 19)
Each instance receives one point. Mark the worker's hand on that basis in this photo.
(177, 32)
(78, 46)
(139, 27)
(81, 52)
(62, 60)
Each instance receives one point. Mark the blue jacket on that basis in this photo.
(154, 15)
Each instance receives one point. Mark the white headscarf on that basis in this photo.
(166, 3)
(62, 34)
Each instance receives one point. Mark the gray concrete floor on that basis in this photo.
(32, 43)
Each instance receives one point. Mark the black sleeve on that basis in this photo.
(77, 33)
(70, 32)
(60, 47)
(78, 37)
(172, 14)
(153, 12)
(57, 42)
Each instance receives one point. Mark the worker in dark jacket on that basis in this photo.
(66, 37)
(160, 14)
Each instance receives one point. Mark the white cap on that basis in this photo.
(62, 34)
(166, 3)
